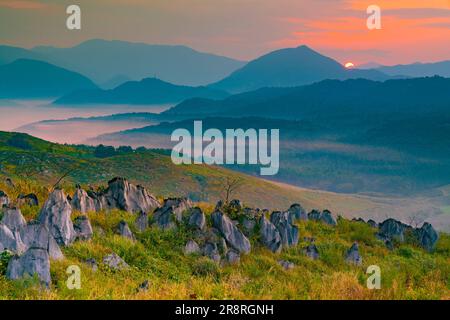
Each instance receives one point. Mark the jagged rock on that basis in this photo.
(35, 261)
(426, 236)
(234, 237)
(297, 212)
(125, 196)
(115, 262)
(219, 205)
(92, 263)
(352, 255)
(99, 199)
(142, 221)
(82, 202)
(29, 199)
(232, 257)
(13, 219)
(283, 222)
(211, 251)
(314, 215)
(312, 252)
(372, 223)
(124, 230)
(222, 246)
(197, 218)
(328, 218)
(83, 228)
(4, 200)
(37, 235)
(55, 215)
(359, 220)
(10, 240)
(270, 236)
(171, 212)
(392, 229)
(287, 265)
(191, 248)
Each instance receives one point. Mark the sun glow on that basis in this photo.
(349, 65)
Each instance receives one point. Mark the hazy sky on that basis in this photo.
(412, 30)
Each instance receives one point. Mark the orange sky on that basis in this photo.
(412, 30)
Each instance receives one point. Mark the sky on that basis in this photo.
(412, 30)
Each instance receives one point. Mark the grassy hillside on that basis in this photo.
(33, 162)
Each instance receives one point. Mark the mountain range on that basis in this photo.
(25, 78)
(290, 67)
(146, 91)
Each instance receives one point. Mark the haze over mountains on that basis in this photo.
(25, 78)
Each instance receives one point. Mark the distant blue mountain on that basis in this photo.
(36, 79)
(9, 54)
(418, 69)
(288, 68)
(103, 60)
(146, 91)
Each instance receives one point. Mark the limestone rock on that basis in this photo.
(82, 202)
(270, 236)
(211, 251)
(13, 219)
(4, 200)
(10, 240)
(115, 262)
(197, 218)
(392, 229)
(35, 261)
(191, 248)
(83, 228)
(234, 237)
(312, 252)
(297, 212)
(125, 196)
(37, 235)
(171, 212)
(124, 230)
(327, 217)
(352, 255)
(426, 236)
(55, 215)
(283, 222)
(141, 222)
(232, 257)
(287, 265)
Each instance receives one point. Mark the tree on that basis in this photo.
(229, 187)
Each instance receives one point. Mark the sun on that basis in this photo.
(349, 65)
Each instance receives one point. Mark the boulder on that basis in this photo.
(144, 286)
(312, 252)
(4, 200)
(124, 230)
(287, 265)
(10, 240)
(55, 215)
(141, 222)
(269, 235)
(392, 229)
(191, 247)
(426, 236)
(37, 235)
(234, 237)
(114, 262)
(29, 199)
(92, 263)
(125, 196)
(211, 251)
(283, 222)
(171, 212)
(314, 215)
(297, 212)
(35, 261)
(82, 202)
(327, 217)
(249, 226)
(13, 219)
(232, 257)
(83, 228)
(352, 256)
(197, 218)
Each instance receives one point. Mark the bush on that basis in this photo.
(5, 256)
